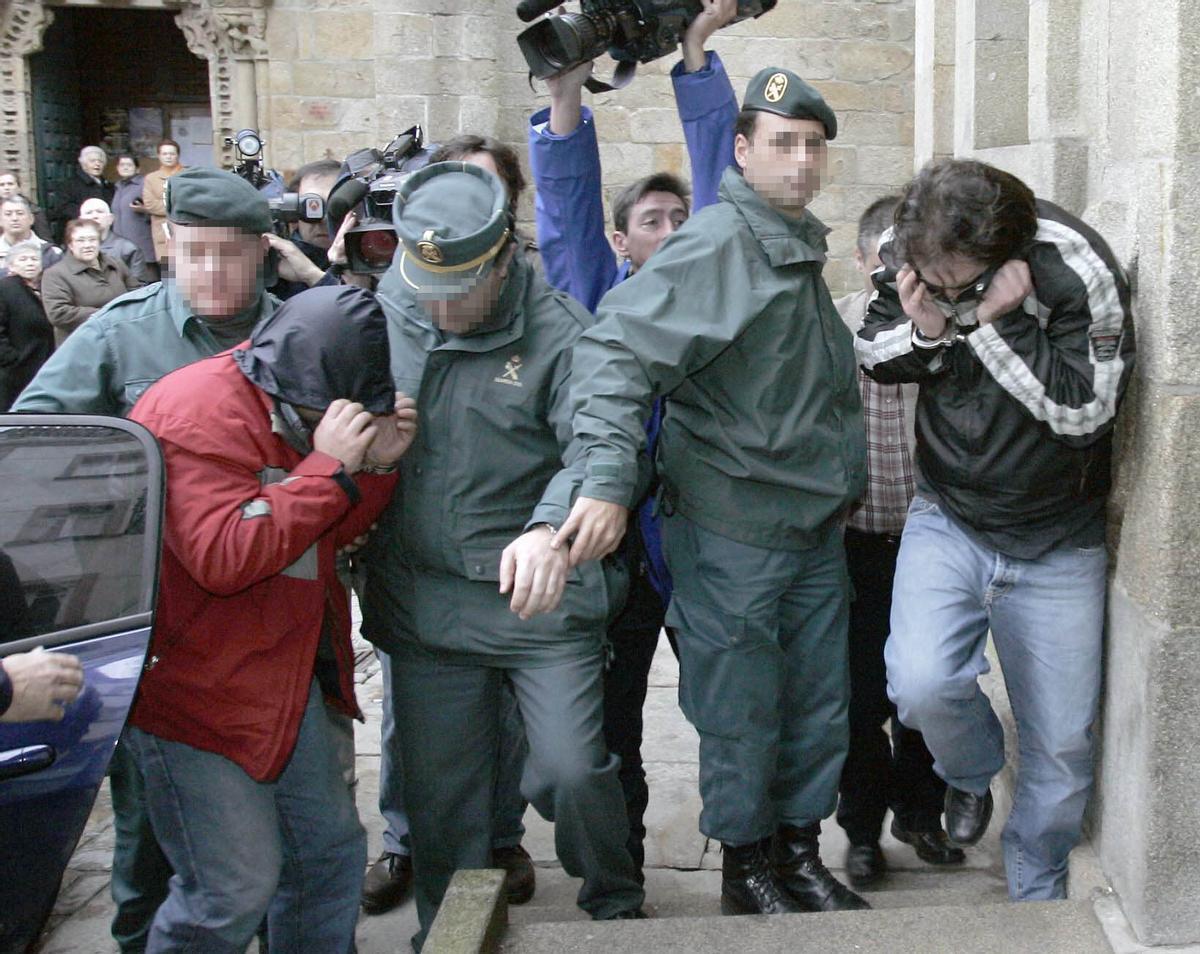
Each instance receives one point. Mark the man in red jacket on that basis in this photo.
(277, 453)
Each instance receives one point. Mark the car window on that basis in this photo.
(72, 527)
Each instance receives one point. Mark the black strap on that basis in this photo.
(622, 77)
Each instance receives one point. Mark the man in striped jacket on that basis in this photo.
(1015, 319)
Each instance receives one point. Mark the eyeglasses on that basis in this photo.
(976, 286)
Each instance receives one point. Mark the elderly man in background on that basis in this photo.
(86, 182)
(113, 245)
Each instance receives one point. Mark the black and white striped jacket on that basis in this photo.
(1014, 419)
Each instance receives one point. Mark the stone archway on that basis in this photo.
(229, 34)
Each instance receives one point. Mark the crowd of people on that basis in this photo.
(105, 236)
(530, 458)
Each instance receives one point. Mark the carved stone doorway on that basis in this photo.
(228, 34)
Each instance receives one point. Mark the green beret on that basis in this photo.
(200, 196)
(452, 221)
(782, 92)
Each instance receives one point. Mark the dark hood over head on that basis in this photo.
(326, 343)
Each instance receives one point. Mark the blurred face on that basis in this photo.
(27, 265)
(126, 167)
(96, 210)
(465, 313)
(92, 162)
(316, 233)
(218, 269)
(85, 244)
(652, 218)
(783, 160)
(18, 221)
(8, 185)
(168, 157)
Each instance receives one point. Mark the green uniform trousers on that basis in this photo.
(763, 676)
(447, 716)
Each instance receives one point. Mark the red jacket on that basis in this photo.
(247, 573)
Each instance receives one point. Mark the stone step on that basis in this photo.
(1053, 927)
(690, 894)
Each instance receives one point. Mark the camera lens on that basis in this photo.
(575, 37)
(378, 247)
(561, 42)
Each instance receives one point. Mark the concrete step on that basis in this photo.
(690, 894)
(1055, 927)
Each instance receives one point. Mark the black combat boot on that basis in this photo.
(747, 885)
(796, 862)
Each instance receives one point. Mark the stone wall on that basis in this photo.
(1093, 103)
(342, 74)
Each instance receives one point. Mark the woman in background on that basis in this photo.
(131, 219)
(84, 281)
(26, 338)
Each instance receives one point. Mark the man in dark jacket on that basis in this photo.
(112, 244)
(276, 454)
(86, 182)
(760, 453)
(1015, 319)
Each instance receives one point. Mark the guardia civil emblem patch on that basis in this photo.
(776, 87)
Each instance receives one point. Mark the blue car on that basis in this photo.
(81, 502)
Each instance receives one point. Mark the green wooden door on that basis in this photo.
(57, 120)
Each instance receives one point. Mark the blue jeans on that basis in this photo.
(291, 849)
(508, 805)
(1046, 617)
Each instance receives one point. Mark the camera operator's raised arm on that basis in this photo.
(565, 158)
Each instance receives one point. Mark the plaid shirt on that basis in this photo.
(890, 483)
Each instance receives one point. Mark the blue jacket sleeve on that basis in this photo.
(569, 211)
(708, 110)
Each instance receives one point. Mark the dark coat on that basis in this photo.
(1015, 418)
(72, 292)
(70, 194)
(128, 222)
(26, 338)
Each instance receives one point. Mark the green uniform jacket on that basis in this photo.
(762, 438)
(110, 360)
(491, 458)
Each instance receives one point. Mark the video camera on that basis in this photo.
(632, 31)
(368, 184)
(286, 207)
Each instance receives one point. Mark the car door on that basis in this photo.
(81, 503)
